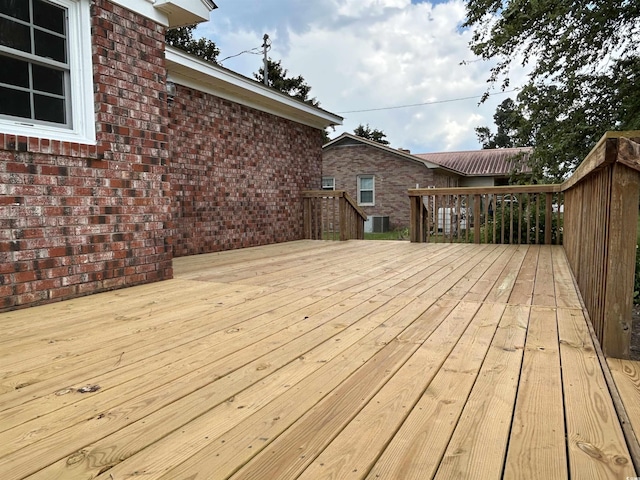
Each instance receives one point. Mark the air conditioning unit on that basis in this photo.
(380, 224)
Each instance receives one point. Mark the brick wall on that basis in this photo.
(77, 219)
(394, 175)
(237, 174)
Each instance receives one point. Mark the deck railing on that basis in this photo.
(513, 214)
(594, 215)
(601, 216)
(332, 215)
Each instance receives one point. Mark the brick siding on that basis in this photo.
(78, 219)
(394, 175)
(237, 174)
(199, 175)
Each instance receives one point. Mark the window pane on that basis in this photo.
(50, 46)
(15, 8)
(15, 103)
(15, 35)
(48, 80)
(366, 197)
(49, 109)
(48, 16)
(366, 183)
(14, 72)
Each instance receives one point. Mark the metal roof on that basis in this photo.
(493, 162)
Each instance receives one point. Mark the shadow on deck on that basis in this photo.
(376, 360)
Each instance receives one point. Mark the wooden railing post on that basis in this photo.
(548, 220)
(344, 224)
(476, 218)
(416, 226)
(621, 260)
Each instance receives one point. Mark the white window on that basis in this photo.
(328, 183)
(46, 87)
(366, 190)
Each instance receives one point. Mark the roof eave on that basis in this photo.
(193, 72)
(399, 153)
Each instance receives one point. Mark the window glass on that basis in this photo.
(15, 8)
(48, 80)
(15, 35)
(48, 16)
(366, 190)
(15, 103)
(366, 197)
(46, 70)
(40, 82)
(49, 109)
(366, 183)
(50, 46)
(14, 72)
(328, 183)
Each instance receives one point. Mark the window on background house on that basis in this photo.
(366, 190)
(328, 183)
(45, 80)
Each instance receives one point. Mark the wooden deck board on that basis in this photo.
(379, 360)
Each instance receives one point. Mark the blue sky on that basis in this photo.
(370, 54)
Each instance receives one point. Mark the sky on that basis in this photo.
(374, 55)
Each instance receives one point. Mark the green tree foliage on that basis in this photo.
(508, 120)
(371, 134)
(294, 86)
(586, 67)
(182, 38)
(564, 120)
(563, 37)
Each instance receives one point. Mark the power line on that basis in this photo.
(429, 103)
(253, 51)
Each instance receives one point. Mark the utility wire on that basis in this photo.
(429, 103)
(253, 51)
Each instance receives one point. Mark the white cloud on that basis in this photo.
(367, 54)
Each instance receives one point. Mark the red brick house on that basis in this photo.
(118, 153)
(378, 176)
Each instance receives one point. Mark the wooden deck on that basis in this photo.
(314, 360)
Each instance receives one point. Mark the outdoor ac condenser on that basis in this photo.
(380, 224)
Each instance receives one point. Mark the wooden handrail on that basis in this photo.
(506, 214)
(601, 233)
(324, 219)
(595, 213)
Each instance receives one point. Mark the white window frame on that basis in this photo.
(82, 125)
(328, 183)
(372, 190)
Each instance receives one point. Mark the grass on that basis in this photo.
(402, 234)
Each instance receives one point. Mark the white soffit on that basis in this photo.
(171, 13)
(195, 73)
(185, 12)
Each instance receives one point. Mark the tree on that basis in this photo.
(371, 134)
(277, 78)
(563, 121)
(182, 38)
(509, 122)
(585, 62)
(563, 37)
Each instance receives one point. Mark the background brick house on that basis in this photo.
(104, 178)
(378, 176)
